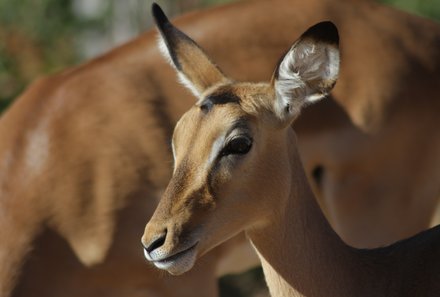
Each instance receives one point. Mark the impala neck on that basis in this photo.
(301, 255)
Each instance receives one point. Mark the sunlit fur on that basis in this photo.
(265, 193)
(388, 83)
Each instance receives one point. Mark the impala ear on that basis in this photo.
(307, 72)
(195, 69)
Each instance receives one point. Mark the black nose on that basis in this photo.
(157, 242)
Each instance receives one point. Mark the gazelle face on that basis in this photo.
(230, 149)
(212, 194)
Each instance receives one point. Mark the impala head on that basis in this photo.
(230, 149)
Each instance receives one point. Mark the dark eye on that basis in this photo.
(238, 146)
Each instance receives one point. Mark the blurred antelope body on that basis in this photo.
(80, 194)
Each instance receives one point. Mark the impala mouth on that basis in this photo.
(177, 263)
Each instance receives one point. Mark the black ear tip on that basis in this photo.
(159, 16)
(323, 31)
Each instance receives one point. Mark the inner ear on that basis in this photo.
(308, 71)
(315, 64)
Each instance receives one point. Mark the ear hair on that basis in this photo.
(181, 77)
(164, 50)
(195, 70)
(308, 71)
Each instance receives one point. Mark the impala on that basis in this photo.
(73, 202)
(237, 167)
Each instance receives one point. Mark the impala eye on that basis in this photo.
(239, 145)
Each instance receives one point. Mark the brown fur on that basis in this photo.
(115, 115)
(266, 193)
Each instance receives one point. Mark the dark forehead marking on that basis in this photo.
(222, 96)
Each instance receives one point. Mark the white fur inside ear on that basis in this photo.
(187, 83)
(164, 49)
(287, 86)
(182, 78)
(332, 70)
(315, 97)
(305, 65)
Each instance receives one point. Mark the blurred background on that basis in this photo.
(38, 37)
(43, 36)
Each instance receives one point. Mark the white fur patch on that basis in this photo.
(314, 97)
(164, 49)
(173, 150)
(287, 87)
(216, 147)
(187, 83)
(181, 77)
(37, 149)
(305, 61)
(35, 156)
(332, 72)
(89, 252)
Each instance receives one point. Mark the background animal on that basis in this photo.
(84, 152)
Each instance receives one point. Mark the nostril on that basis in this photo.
(156, 242)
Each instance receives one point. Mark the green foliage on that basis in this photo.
(428, 8)
(251, 283)
(30, 30)
(214, 2)
(36, 37)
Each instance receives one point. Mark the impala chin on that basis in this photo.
(176, 262)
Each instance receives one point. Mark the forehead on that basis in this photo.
(208, 124)
(218, 111)
(220, 96)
